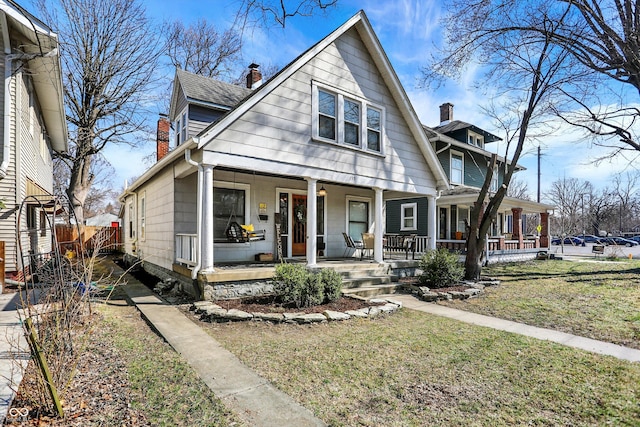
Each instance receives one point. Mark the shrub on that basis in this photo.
(332, 283)
(297, 285)
(440, 268)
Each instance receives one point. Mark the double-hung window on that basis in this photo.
(494, 180)
(457, 168)
(348, 120)
(409, 214)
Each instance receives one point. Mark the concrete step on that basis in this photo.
(371, 291)
(359, 282)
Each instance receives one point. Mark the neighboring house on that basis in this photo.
(33, 125)
(103, 220)
(460, 148)
(305, 156)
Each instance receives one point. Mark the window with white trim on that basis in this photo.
(181, 128)
(143, 216)
(132, 218)
(230, 203)
(494, 180)
(475, 139)
(409, 217)
(457, 168)
(344, 119)
(357, 217)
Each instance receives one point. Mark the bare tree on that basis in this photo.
(270, 12)
(603, 36)
(108, 59)
(201, 48)
(569, 194)
(527, 72)
(518, 189)
(624, 188)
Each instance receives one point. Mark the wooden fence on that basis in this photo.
(104, 239)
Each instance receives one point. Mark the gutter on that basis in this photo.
(6, 142)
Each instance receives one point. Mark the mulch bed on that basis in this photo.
(270, 305)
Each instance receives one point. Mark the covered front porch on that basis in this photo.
(280, 220)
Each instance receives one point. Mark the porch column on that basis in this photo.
(312, 221)
(431, 221)
(544, 232)
(379, 228)
(206, 233)
(517, 226)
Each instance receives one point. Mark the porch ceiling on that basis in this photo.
(507, 203)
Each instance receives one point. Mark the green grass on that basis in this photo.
(414, 369)
(164, 386)
(599, 300)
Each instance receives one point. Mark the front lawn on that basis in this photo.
(599, 300)
(415, 369)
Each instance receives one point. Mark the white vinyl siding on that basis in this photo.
(285, 143)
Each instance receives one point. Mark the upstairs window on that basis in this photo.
(181, 128)
(457, 168)
(351, 122)
(343, 119)
(373, 129)
(327, 115)
(494, 180)
(476, 139)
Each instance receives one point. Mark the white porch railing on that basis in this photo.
(187, 249)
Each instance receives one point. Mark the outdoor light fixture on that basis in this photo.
(322, 192)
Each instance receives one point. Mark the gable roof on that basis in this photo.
(370, 40)
(205, 91)
(361, 23)
(455, 125)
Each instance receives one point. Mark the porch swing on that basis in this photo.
(241, 233)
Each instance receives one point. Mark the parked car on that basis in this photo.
(620, 241)
(635, 238)
(569, 240)
(590, 238)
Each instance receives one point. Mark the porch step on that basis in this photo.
(371, 291)
(359, 282)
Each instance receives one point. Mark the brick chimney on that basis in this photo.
(446, 113)
(254, 78)
(162, 137)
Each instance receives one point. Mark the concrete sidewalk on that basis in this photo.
(594, 346)
(250, 396)
(14, 351)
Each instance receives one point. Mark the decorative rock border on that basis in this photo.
(433, 295)
(211, 312)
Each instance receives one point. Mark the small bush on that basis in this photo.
(440, 268)
(332, 283)
(297, 285)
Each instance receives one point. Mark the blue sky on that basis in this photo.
(408, 30)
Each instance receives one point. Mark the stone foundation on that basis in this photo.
(230, 290)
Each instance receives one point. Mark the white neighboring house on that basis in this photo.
(33, 125)
(314, 152)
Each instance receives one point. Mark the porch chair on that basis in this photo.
(351, 244)
(367, 244)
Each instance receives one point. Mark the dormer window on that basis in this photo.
(181, 128)
(476, 139)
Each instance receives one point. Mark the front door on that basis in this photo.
(299, 225)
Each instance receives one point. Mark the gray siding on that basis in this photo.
(394, 216)
(200, 118)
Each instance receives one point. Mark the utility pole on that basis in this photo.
(538, 173)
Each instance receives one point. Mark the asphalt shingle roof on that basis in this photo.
(210, 90)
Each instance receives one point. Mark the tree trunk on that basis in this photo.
(79, 186)
(473, 260)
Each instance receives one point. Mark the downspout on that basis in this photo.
(187, 157)
(6, 140)
(446, 147)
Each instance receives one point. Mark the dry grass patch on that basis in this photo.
(599, 300)
(414, 369)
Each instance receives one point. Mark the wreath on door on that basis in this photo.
(300, 211)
